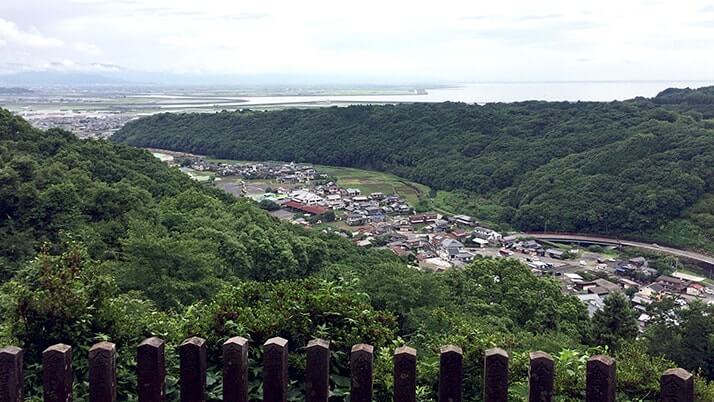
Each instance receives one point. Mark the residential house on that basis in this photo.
(627, 283)
(490, 235)
(695, 289)
(574, 278)
(307, 209)
(364, 243)
(333, 199)
(400, 250)
(440, 225)
(418, 243)
(402, 208)
(540, 266)
(601, 287)
(464, 220)
(594, 302)
(306, 197)
(638, 261)
(378, 217)
(356, 220)
(555, 253)
(451, 247)
(422, 218)
(624, 269)
(480, 242)
(528, 247)
(288, 178)
(464, 256)
(403, 226)
(648, 271)
(672, 284)
(610, 286)
(459, 234)
(373, 210)
(652, 291)
(640, 302)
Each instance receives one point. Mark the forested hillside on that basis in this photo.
(101, 241)
(132, 212)
(641, 167)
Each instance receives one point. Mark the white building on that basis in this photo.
(488, 234)
(306, 197)
(464, 220)
(480, 242)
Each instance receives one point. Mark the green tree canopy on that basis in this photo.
(616, 323)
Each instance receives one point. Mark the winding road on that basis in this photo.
(579, 238)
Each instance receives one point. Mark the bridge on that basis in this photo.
(608, 241)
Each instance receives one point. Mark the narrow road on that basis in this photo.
(564, 237)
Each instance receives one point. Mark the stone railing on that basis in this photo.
(677, 385)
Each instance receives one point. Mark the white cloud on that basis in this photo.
(11, 33)
(449, 39)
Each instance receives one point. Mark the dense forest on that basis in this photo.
(641, 168)
(101, 241)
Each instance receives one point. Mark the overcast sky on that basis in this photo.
(402, 40)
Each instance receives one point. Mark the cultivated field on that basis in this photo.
(369, 181)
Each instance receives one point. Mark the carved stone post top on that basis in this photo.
(10, 350)
(451, 349)
(678, 372)
(102, 347)
(540, 356)
(153, 342)
(58, 348)
(405, 350)
(602, 359)
(236, 340)
(496, 352)
(193, 341)
(276, 342)
(318, 343)
(363, 347)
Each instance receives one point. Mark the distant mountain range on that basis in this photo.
(57, 78)
(15, 91)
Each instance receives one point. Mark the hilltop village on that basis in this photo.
(433, 241)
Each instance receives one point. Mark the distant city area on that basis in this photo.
(313, 196)
(99, 111)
